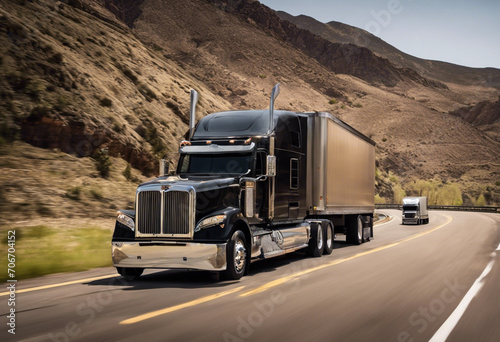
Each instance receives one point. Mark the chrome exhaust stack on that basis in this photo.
(192, 113)
(274, 95)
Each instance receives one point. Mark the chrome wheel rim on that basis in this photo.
(360, 229)
(329, 238)
(320, 238)
(240, 254)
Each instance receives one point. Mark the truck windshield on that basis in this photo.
(227, 164)
(410, 207)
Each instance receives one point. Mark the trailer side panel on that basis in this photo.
(343, 168)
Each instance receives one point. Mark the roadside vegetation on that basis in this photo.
(389, 188)
(42, 250)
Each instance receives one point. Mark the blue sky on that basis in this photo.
(463, 32)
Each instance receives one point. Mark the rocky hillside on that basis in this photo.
(484, 115)
(81, 76)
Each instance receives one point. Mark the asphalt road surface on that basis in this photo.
(439, 281)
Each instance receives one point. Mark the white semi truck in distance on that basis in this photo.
(415, 210)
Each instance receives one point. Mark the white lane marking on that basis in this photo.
(445, 330)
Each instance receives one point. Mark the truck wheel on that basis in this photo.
(360, 239)
(130, 274)
(315, 248)
(236, 256)
(355, 231)
(328, 239)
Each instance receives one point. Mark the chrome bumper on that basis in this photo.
(162, 254)
(410, 220)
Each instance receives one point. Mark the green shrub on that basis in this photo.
(103, 163)
(35, 89)
(152, 137)
(128, 174)
(74, 193)
(480, 201)
(399, 193)
(379, 200)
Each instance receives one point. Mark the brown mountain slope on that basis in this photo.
(445, 72)
(77, 83)
(485, 115)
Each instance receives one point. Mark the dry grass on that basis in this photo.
(40, 184)
(41, 250)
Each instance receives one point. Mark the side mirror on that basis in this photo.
(271, 166)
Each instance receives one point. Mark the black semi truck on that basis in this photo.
(250, 185)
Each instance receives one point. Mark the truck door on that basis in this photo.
(290, 161)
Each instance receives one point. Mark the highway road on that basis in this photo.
(439, 281)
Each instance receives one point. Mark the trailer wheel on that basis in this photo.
(355, 230)
(328, 239)
(360, 239)
(130, 274)
(236, 256)
(315, 248)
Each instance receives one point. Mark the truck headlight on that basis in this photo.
(211, 221)
(125, 220)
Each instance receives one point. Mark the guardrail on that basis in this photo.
(444, 207)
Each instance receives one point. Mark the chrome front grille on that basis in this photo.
(149, 212)
(167, 213)
(176, 211)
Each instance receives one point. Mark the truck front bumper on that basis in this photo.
(410, 220)
(162, 254)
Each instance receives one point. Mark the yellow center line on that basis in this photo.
(180, 306)
(55, 285)
(283, 280)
